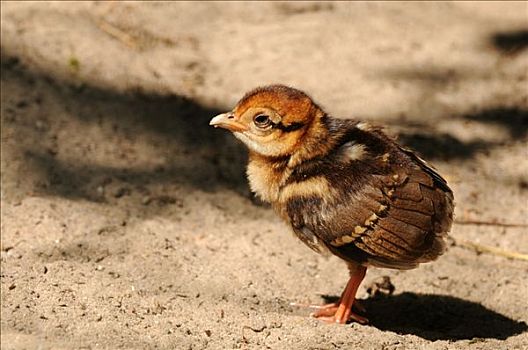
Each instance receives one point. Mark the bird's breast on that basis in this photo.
(265, 178)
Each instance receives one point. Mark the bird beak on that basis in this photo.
(227, 121)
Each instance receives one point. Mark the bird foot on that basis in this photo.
(339, 313)
(336, 312)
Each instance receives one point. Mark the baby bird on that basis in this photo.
(342, 185)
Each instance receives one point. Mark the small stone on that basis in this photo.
(381, 286)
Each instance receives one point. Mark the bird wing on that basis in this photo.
(395, 219)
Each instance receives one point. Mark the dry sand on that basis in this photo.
(127, 221)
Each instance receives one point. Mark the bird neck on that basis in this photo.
(266, 174)
(317, 141)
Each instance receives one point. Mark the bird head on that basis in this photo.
(270, 120)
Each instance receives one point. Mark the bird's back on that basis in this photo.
(367, 200)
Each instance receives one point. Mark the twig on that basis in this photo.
(117, 33)
(480, 248)
(488, 223)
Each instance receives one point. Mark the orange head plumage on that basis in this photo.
(271, 120)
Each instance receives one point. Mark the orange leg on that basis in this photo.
(341, 311)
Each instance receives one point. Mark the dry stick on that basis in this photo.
(488, 223)
(480, 248)
(117, 33)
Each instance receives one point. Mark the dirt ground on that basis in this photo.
(127, 222)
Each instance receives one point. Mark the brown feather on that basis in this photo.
(413, 235)
(410, 191)
(420, 220)
(425, 206)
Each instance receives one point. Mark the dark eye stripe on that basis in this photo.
(288, 128)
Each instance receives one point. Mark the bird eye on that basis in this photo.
(262, 120)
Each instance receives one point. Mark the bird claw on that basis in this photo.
(358, 305)
(330, 313)
(323, 311)
(335, 319)
(313, 306)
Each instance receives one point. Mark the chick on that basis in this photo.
(342, 185)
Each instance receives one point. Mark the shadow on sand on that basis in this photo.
(439, 317)
(196, 154)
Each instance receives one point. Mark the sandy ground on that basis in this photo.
(127, 221)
